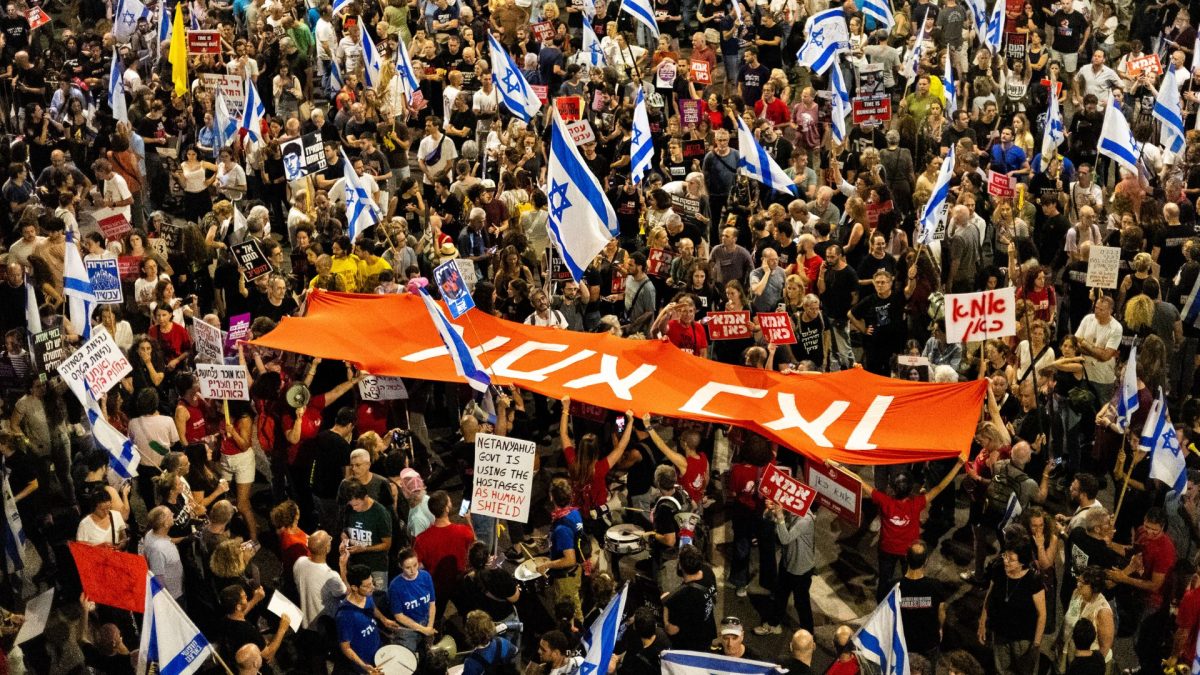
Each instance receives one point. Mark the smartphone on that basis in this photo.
(466, 506)
(621, 424)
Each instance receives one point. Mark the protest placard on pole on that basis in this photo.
(728, 325)
(503, 477)
(381, 388)
(982, 315)
(455, 293)
(112, 222)
(788, 492)
(1104, 264)
(48, 349)
(1001, 185)
(239, 329)
(777, 328)
(303, 156)
(837, 492)
(209, 342)
(658, 263)
(581, 132)
(99, 363)
(201, 42)
(221, 382)
(105, 275)
(232, 87)
(251, 260)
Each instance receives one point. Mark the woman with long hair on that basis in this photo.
(1035, 353)
(1040, 294)
(587, 468)
(730, 351)
(195, 176)
(701, 287)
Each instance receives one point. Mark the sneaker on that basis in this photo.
(741, 592)
(970, 578)
(768, 629)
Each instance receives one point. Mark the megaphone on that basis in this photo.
(298, 395)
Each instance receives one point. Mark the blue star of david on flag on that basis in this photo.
(558, 199)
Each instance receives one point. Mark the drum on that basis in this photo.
(528, 578)
(624, 539)
(395, 660)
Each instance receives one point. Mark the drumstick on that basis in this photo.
(630, 508)
(526, 550)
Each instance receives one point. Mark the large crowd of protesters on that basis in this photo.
(352, 508)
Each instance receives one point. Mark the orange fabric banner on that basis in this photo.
(851, 416)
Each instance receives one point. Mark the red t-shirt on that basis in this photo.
(172, 343)
(371, 416)
(691, 339)
(1189, 619)
(812, 267)
(443, 552)
(743, 483)
(1158, 556)
(292, 547)
(1043, 301)
(776, 111)
(900, 521)
(596, 494)
(843, 668)
(196, 428)
(692, 480)
(310, 425)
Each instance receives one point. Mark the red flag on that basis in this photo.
(111, 577)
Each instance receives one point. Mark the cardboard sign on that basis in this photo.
(701, 74)
(876, 209)
(874, 109)
(380, 388)
(786, 491)
(1103, 265)
(37, 613)
(981, 316)
(457, 296)
(503, 477)
(1015, 45)
(48, 350)
(1001, 185)
(105, 275)
(542, 91)
(837, 492)
(581, 132)
(209, 342)
(1149, 63)
(221, 382)
(232, 87)
(239, 329)
(303, 156)
(693, 148)
(777, 328)
(203, 42)
(112, 222)
(664, 77)
(251, 260)
(569, 107)
(689, 113)
(728, 325)
(98, 365)
(111, 577)
(658, 263)
(37, 17)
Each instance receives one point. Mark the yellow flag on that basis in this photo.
(178, 54)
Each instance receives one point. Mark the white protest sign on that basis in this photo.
(37, 613)
(227, 383)
(380, 388)
(209, 342)
(982, 315)
(503, 477)
(231, 86)
(99, 363)
(105, 276)
(281, 605)
(1103, 264)
(581, 132)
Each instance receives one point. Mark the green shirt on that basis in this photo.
(368, 528)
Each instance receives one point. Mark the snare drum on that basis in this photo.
(528, 578)
(624, 539)
(395, 660)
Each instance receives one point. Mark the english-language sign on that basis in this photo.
(503, 477)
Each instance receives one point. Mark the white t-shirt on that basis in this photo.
(117, 190)
(155, 428)
(319, 587)
(89, 532)
(1106, 337)
(444, 161)
(326, 40)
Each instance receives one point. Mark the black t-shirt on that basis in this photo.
(1169, 241)
(641, 659)
(235, 633)
(628, 209)
(664, 522)
(886, 315)
(16, 34)
(22, 472)
(770, 55)
(489, 588)
(226, 279)
(331, 454)
(810, 340)
(691, 608)
(919, 603)
(1068, 29)
(839, 287)
(264, 308)
(752, 79)
(787, 254)
(1092, 664)
(1084, 551)
(640, 477)
(869, 266)
(1010, 611)
(113, 664)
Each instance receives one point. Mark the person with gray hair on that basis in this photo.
(378, 487)
(664, 537)
(162, 556)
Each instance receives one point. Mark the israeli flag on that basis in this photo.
(881, 12)
(881, 639)
(1054, 133)
(934, 213)
(911, 64)
(757, 164)
(949, 87)
(193, 16)
(227, 126)
(164, 24)
(335, 76)
(116, 89)
(1191, 308)
(466, 364)
(828, 35)
(1116, 141)
(603, 636)
(404, 70)
(33, 317)
(339, 5)
(643, 12)
(841, 103)
(169, 638)
(1167, 461)
(125, 19)
(993, 34)
(14, 532)
(1127, 395)
(979, 16)
(679, 662)
(254, 112)
(361, 210)
(582, 221)
(641, 143)
(1012, 511)
(515, 91)
(591, 46)
(372, 63)
(122, 456)
(1168, 110)
(78, 289)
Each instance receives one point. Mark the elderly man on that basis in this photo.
(319, 586)
(1099, 337)
(162, 556)
(964, 250)
(766, 283)
(472, 242)
(730, 261)
(360, 472)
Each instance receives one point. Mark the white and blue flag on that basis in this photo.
(881, 638)
(933, 215)
(1116, 140)
(603, 636)
(404, 71)
(77, 286)
(912, 62)
(948, 86)
(361, 210)
(641, 151)
(193, 16)
(226, 124)
(993, 33)
(122, 456)
(125, 18)
(643, 12)
(116, 89)
(881, 12)
(169, 638)
(841, 103)
(1127, 393)
(827, 35)
(680, 662)
(466, 364)
(335, 76)
(979, 16)
(581, 221)
(33, 317)
(1054, 133)
(14, 532)
(515, 92)
(592, 52)
(754, 162)
(1167, 461)
(1191, 308)
(164, 25)
(1168, 110)
(339, 5)
(372, 61)
(252, 115)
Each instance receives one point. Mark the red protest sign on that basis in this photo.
(1001, 185)
(37, 17)
(875, 108)
(689, 112)
(569, 107)
(113, 224)
(701, 74)
(777, 328)
(203, 42)
(587, 411)
(786, 491)
(728, 325)
(129, 267)
(876, 209)
(543, 30)
(1144, 64)
(542, 91)
(658, 263)
(836, 491)
(111, 577)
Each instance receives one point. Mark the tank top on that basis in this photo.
(196, 428)
(193, 180)
(228, 445)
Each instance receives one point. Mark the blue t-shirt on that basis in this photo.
(499, 651)
(563, 537)
(357, 626)
(413, 599)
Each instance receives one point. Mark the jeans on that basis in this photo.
(797, 587)
(409, 639)
(840, 349)
(732, 64)
(888, 564)
(485, 529)
(1014, 658)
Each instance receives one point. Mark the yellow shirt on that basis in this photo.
(368, 273)
(346, 267)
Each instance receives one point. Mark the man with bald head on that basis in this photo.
(319, 586)
(249, 660)
(12, 298)
(964, 250)
(801, 648)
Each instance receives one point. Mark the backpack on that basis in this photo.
(583, 544)
(505, 664)
(1004, 485)
(681, 503)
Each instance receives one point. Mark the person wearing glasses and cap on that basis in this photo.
(733, 640)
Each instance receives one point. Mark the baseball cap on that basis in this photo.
(731, 625)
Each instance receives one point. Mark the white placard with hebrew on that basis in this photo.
(37, 613)
(99, 363)
(209, 342)
(981, 316)
(1103, 265)
(227, 383)
(380, 388)
(503, 477)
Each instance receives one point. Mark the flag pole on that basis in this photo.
(221, 661)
